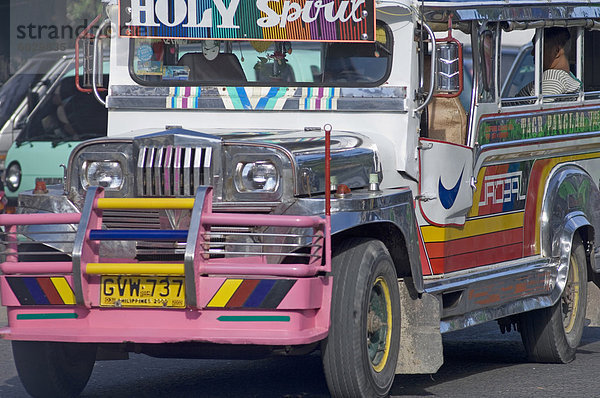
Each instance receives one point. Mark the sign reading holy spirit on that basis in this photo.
(316, 20)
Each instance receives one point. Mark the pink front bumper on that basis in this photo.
(276, 304)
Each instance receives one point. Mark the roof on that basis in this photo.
(510, 10)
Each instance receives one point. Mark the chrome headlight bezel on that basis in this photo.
(239, 185)
(99, 152)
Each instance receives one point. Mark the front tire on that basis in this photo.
(361, 351)
(50, 369)
(553, 334)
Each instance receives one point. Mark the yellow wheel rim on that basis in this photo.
(570, 296)
(379, 324)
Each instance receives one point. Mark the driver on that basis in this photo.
(557, 77)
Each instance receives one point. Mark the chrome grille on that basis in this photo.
(172, 170)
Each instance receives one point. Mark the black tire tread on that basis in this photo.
(542, 330)
(338, 362)
(44, 372)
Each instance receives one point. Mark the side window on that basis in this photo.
(591, 64)
(66, 114)
(517, 67)
(559, 77)
(487, 62)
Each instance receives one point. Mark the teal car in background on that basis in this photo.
(63, 118)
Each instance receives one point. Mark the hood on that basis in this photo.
(353, 155)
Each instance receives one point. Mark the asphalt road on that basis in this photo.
(480, 362)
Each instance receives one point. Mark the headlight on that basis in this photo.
(13, 176)
(105, 174)
(258, 176)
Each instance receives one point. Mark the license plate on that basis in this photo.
(142, 291)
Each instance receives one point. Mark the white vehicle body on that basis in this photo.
(206, 219)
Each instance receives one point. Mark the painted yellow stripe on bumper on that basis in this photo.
(225, 292)
(471, 228)
(63, 288)
(145, 203)
(134, 269)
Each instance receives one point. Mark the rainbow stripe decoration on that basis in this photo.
(251, 293)
(285, 20)
(42, 290)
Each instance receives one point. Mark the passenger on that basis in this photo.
(557, 77)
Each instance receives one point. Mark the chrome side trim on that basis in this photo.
(496, 291)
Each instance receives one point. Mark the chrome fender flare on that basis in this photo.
(563, 242)
(569, 204)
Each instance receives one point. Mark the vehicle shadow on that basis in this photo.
(273, 377)
(473, 351)
(477, 350)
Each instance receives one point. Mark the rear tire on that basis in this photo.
(553, 334)
(361, 351)
(49, 369)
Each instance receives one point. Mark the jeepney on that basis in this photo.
(283, 177)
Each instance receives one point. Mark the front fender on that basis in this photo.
(570, 201)
(362, 210)
(570, 204)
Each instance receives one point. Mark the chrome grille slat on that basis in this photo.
(158, 162)
(140, 169)
(206, 165)
(172, 170)
(187, 170)
(148, 174)
(167, 171)
(177, 172)
(198, 167)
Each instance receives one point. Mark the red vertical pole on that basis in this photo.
(327, 128)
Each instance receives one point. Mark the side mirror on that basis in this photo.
(85, 41)
(449, 71)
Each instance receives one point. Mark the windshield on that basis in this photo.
(240, 63)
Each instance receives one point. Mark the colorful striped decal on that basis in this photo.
(183, 97)
(251, 293)
(42, 290)
(345, 24)
(258, 98)
(503, 223)
(319, 98)
(539, 175)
